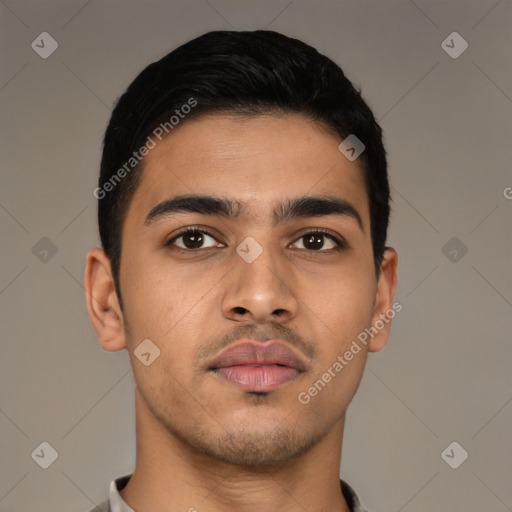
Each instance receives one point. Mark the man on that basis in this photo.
(243, 209)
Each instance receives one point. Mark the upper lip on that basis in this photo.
(251, 352)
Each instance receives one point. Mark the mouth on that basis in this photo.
(258, 367)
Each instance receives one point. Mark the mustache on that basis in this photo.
(270, 331)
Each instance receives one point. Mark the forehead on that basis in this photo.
(259, 160)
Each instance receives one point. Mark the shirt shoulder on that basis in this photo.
(102, 507)
(351, 497)
(114, 503)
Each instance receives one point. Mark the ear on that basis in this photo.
(102, 302)
(383, 310)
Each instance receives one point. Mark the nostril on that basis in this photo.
(240, 310)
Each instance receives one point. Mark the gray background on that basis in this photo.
(445, 374)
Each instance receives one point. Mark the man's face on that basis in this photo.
(196, 295)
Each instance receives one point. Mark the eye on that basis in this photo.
(316, 241)
(193, 239)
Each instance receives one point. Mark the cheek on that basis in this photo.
(163, 388)
(342, 297)
(174, 310)
(329, 393)
(342, 310)
(341, 356)
(158, 300)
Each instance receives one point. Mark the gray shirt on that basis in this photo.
(116, 504)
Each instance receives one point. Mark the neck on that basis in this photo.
(171, 475)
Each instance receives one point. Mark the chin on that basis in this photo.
(263, 448)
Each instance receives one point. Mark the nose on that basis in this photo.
(260, 291)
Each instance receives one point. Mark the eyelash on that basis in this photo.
(340, 243)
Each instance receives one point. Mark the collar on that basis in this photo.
(117, 504)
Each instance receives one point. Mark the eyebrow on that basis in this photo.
(300, 207)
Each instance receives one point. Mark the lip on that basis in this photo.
(255, 366)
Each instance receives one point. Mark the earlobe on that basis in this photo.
(384, 311)
(102, 302)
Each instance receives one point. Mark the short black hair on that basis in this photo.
(246, 73)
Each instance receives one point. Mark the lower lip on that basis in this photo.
(258, 378)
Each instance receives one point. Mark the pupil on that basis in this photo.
(193, 240)
(314, 242)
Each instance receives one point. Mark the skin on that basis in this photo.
(201, 441)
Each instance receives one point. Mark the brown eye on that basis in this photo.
(319, 241)
(193, 239)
